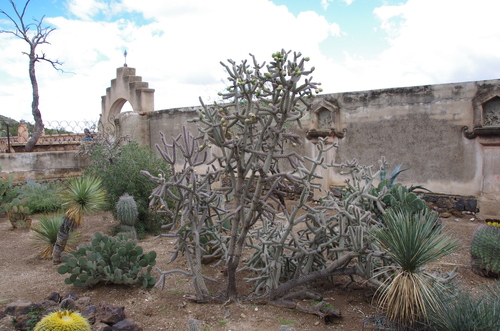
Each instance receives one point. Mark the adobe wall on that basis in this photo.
(420, 127)
(42, 165)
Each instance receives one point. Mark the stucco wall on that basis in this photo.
(42, 165)
(420, 127)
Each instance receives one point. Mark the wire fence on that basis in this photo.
(57, 135)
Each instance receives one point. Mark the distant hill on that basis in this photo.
(7, 119)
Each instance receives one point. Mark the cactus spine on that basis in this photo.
(63, 321)
(126, 212)
(485, 251)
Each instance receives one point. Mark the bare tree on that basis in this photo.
(34, 34)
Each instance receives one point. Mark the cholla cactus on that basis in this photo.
(63, 321)
(126, 212)
(485, 251)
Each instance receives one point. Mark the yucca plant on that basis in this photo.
(412, 241)
(83, 195)
(46, 235)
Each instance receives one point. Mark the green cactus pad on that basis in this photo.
(108, 259)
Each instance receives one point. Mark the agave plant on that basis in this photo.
(46, 235)
(83, 195)
(412, 241)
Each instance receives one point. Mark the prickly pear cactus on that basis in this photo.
(8, 192)
(111, 260)
(19, 216)
(126, 212)
(485, 251)
(63, 321)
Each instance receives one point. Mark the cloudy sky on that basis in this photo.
(176, 46)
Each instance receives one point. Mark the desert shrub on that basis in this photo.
(120, 174)
(108, 259)
(41, 198)
(459, 310)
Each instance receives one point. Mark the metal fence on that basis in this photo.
(57, 135)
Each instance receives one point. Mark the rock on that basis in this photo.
(445, 215)
(48, 305)
(68, 304)
(24, 322)
(109, 314)
(54, 296)
(90, 313)
(30, 309)
(101, 327)
(71, 295)
(83, 303)
(15, 308)
(459, 205)
(126, 325)
(471, 205)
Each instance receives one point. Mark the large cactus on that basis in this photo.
(127, 213)
(485, 251)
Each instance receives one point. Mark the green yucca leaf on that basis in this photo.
(413, 240)
(83, 195)
(46, 235)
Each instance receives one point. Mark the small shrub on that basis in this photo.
(46, 235)
(120, 174)
(108, 259)
(41, 198)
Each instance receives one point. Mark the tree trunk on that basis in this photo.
(62, 238)
(34, 104)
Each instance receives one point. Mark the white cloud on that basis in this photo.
(178, 50)
(86, 9)
(325, 4)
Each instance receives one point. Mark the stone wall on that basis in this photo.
(421, 127)
(42, 165)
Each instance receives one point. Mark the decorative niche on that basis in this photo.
(486, 108)
(325, 121)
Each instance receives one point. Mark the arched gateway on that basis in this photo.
(126, 87)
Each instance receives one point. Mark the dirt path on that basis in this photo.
(24, 277)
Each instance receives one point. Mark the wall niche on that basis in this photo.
(325, 121)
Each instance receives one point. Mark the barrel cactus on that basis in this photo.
(126, 212)
(485, 250)
(63, 321)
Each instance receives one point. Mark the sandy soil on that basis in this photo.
(25, 277)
